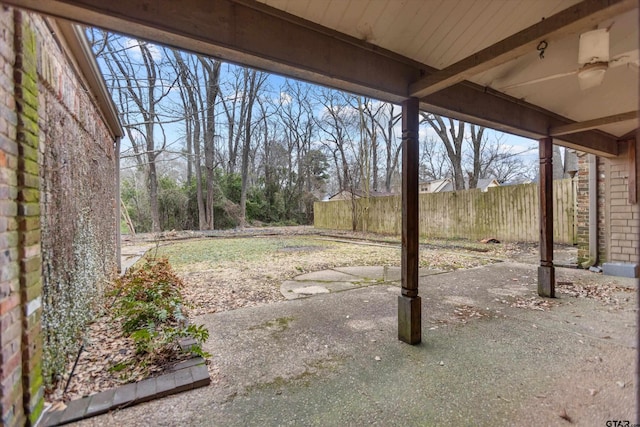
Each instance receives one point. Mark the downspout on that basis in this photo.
(593, 212)
(117, 201)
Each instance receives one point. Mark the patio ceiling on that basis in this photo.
(476, 60)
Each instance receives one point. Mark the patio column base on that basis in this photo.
(410, 319)
(547, 281)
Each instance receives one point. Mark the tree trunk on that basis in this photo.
(476, 143)
(152, 182)
(452, 141)
(254, 82)
(189, 81)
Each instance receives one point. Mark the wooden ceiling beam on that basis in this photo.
(489, 107)
(592, 124)
(252, 34)
(246, 33)
(630, 135)
(575, 19)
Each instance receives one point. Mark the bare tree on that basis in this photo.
(338, 122)
(369, 112)
(393, 145)
(253, 81)
(138, 82)
(234, 104)
(433, 161)
(295, 113)
(452, 137)
(211, 76)
(493, 159)
(477, 145)
(188, 89)
(481, 157)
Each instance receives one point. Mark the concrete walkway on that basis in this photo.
(342, 279)
(333, 359)
(131, 253)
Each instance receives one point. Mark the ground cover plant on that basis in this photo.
(150, 306)
(137, 333)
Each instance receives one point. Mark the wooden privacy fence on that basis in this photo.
(508, 213)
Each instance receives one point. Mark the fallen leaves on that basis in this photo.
(108, 357)
(464, 313)
(223, 274)
(606, 293)
(216, 281)
(531, 303)
(107, 360)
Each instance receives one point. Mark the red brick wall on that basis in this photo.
(27, 135)
(602, 211)
(57, 208)
(78, 200)
(10, 308)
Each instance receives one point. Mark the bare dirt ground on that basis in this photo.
(226, 270)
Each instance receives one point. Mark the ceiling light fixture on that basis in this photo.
(592, 75)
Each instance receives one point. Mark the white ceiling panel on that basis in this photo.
(439, 33)
(434, 32)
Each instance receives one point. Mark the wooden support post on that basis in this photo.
(546, 272)
(409, 303)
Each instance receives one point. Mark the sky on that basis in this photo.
(526, 148)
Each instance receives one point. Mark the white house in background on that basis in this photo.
(443, 185)
(435, 186)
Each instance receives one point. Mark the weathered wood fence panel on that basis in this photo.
(508, 213)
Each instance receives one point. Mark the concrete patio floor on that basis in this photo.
(334, 359)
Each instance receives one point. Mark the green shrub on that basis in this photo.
(150, 305)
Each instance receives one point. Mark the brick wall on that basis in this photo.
(10, 308)
(582, 207)
(622, 217)
(57, 208)
(27, 135)
(78, 201)
(618, 220)
(603, 232)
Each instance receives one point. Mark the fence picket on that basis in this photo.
(508, 213)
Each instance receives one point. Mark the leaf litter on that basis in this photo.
(221, 274)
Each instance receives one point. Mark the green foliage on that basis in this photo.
(72, 287)
(173, 201)
(231, 185)
(226, 214)
(137, 204)
(258, 207)
(149, 304)
(280, 199)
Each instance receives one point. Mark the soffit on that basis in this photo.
(438, 33)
